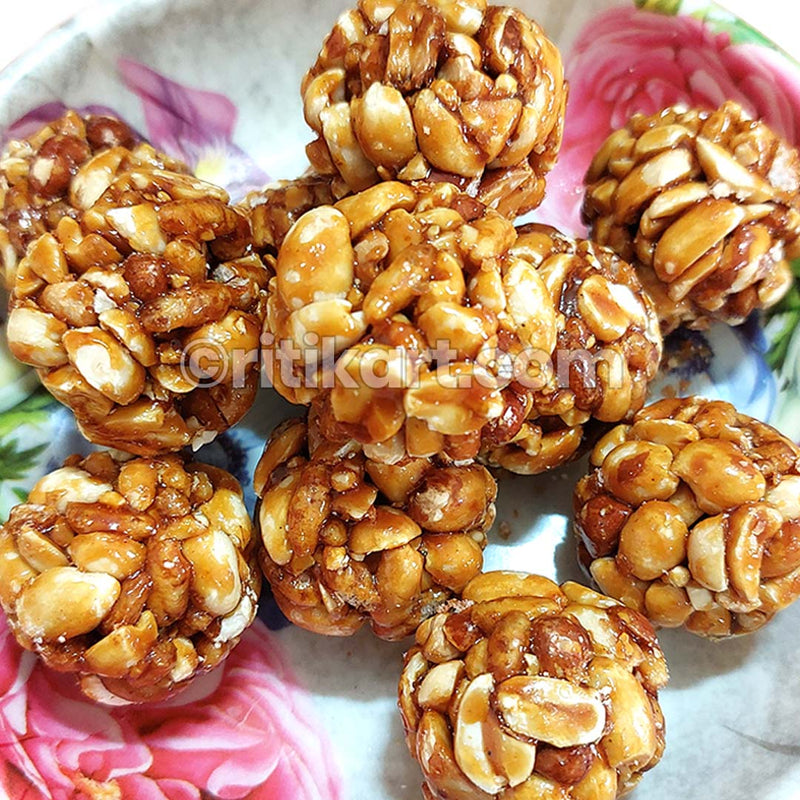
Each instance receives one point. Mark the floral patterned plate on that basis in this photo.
(293, 716)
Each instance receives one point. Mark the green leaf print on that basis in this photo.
(15, 464)
(31, 411)
(717, 18)
(671, 7)
(721, 21)
(783, 321)
(18, 462)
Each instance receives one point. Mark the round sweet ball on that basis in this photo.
(144, 316)
(61, 170)
(707, 203)
(524, 690)
(349, 540)
(691, 515)
(445, 89)
(137, 575)
(409, 289)
(426, 324)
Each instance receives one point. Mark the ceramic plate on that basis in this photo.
(293, 716)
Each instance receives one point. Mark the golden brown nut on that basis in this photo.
(144, 317)
(137, 575)
(61, 171)
(407, 310)
(708, 203)
(607, 352)
(450, 89)
(349, 540)
(526, 690)
(275, 208)
(691, 515)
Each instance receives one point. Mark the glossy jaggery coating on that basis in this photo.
(524, 689)
(61, 170)
(144, 317)
(691, 515)
(706, 204)
(136, 575)
(442, 90)
(348, 540)
(274, 209)
(608, 349)
(426, 324)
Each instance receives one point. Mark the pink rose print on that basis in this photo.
(627, 61)
(243, 732)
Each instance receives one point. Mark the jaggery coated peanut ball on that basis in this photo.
(408, 288)
(607, 352)
(348, 540)
(691, 515)
(707, 204)
(525, 690)
(144, 317)
(136, 575)
(61, 171)
(451, 89)
(421, 319)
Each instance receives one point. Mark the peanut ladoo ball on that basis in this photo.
(444, 89)
(691, 515)
(348, 540)
(144, 316)
(525, 690)
(136, 575)
(61, 171)
(425, 324)
(706, 204)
